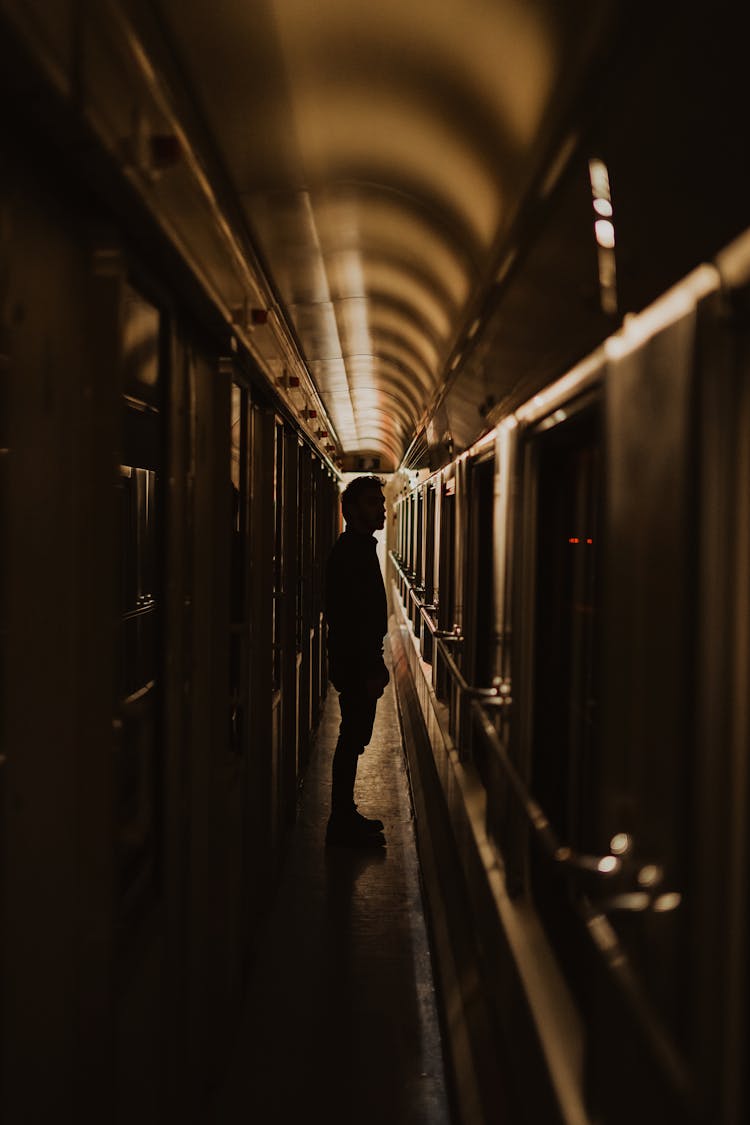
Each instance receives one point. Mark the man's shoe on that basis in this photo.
(348, 832)
(368, 824)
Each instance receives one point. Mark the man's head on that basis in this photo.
(363, 505)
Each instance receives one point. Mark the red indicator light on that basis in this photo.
(574, 539)
(589, 541)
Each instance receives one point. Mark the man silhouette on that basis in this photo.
(357, 617)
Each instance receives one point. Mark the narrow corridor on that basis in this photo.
(340, 1022)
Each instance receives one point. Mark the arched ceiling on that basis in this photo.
(380, 153)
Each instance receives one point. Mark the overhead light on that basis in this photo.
(599, 176)
(605, 233)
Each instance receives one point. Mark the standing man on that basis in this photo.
(355, 609)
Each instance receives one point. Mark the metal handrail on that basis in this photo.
(558, 852)
(603, 867)
(146, 607)
(565, 858)
(398, 566)
(497, 695)
(599, 929)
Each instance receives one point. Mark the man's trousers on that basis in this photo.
(357, 720)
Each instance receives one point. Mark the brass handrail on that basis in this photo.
(498, 695)
(564, 858)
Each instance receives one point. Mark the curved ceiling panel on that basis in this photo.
(345, 142)
(379, 152)
(387, 278)
(397, 384)
(386, 219)
(388, 322)
(504, 50)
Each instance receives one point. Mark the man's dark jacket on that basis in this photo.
(355, 610)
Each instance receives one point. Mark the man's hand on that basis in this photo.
(376, 685)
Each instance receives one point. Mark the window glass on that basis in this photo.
(566, 689)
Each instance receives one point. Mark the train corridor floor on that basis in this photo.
(340, 1021)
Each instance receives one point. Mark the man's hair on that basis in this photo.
(356, 488)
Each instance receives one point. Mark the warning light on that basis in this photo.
(574, 539)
